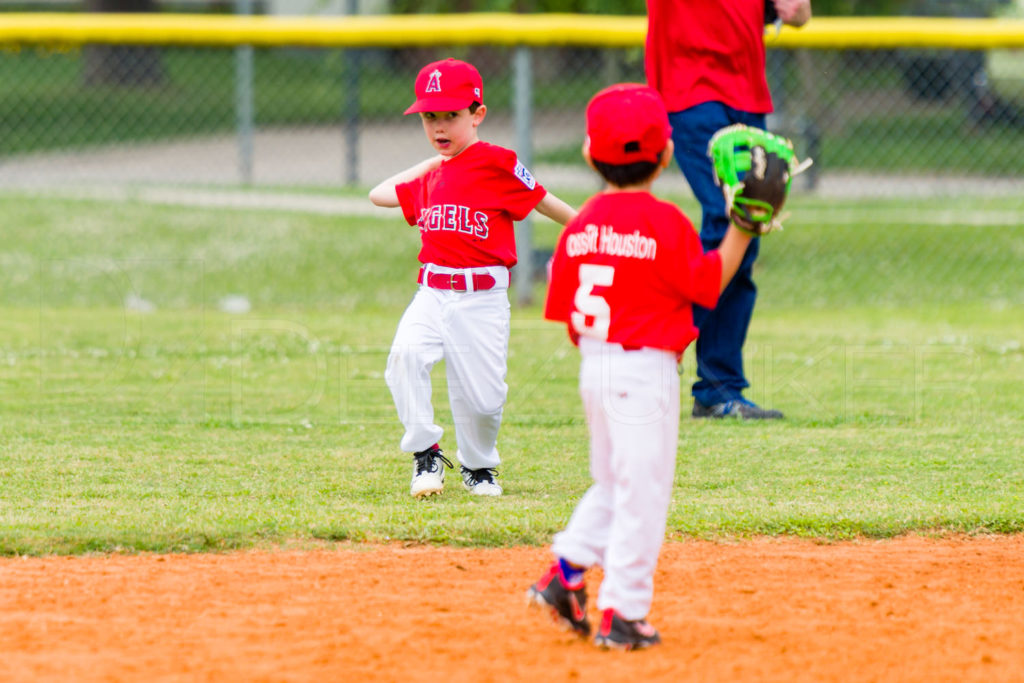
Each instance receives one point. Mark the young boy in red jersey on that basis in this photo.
(624, 277)
(464, 201)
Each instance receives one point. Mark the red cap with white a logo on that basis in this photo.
(448, 85)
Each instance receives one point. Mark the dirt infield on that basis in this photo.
(911, 609)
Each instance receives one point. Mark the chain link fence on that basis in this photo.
(908, 123)
(923, 128)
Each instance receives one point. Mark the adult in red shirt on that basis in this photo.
(707, 59)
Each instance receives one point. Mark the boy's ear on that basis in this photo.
(667, 153)
(586, 153)
(479, 114)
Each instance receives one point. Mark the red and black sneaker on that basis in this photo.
(567, 604)
(616, 632)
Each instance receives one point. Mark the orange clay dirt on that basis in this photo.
(910, 609)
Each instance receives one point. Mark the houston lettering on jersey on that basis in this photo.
(628, 269)
(604, 240)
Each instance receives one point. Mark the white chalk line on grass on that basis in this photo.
(969, 216)
(222, 199)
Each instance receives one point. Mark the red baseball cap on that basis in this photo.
(448, 85)
(626, 123)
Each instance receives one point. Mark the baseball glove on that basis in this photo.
(754, 168)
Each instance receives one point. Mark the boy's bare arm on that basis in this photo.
(555, 209)
(385, 195)
(733, 247)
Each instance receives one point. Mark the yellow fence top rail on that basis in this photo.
(477, 29)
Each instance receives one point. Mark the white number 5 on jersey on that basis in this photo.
(592, 315)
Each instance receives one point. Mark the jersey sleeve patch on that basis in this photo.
(524, 175)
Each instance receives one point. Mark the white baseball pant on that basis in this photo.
(470, 331)
(631, 400)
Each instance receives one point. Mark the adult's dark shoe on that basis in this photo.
(738, 407)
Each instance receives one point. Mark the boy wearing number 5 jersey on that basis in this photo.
(464, 201)
(624, 277)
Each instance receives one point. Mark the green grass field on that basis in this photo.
(889, 332)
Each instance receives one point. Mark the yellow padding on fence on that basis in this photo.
(478, 29)
(893, 32)
(357, 31)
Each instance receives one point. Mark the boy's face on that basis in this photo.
(450, 132)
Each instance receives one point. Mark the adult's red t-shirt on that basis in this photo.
(627, 269)
(466, 207)
(708, 51)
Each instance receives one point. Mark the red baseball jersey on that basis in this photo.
(466, 207)
(627, 269)
(708, 51)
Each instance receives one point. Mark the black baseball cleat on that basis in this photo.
(622, 634)
(568, 606)
(737, 407)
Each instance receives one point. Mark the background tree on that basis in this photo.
(821, 7)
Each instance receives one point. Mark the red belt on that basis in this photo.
(456, 281)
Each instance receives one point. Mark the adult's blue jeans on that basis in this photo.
(723, 329)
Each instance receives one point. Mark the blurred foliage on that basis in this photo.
(820, 7)
(520, 6)
(961, 8)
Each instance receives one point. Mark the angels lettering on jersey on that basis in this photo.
(466, 208)
(464, 219)
(453, 217)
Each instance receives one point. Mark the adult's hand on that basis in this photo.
(793, 12)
